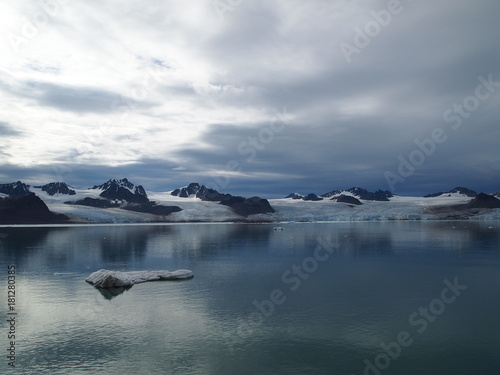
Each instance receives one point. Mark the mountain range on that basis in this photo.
(119, 200)
(195, 190)
(356, 192)
(115, 194)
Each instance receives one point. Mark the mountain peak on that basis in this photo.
(196, 190)
(312, 197)
(458, 190)
(295, 196)
(360, 193)
(124, 182)
(53, 188)
(122, 190)
(15, 188)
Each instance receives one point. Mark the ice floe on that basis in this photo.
(117, 279)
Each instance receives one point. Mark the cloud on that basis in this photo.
(208, 86)
(71, 99)
(6, 130)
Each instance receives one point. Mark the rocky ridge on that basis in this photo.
(57, 188)
(27, 209)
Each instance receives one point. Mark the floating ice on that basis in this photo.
(116, 279)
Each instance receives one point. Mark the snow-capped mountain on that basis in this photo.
(15, 188)
(195, 190)
(120, 201)
(295, 196)
(239, 205)
(122, 190)
(312, 197)
(355, 192)
(459, 191)
(57, 188)
(360, 193)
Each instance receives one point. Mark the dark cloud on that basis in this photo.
(6, 130)
(77, 99)
(74, 99)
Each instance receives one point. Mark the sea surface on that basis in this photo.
(319, 298)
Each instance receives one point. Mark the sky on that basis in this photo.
(252, 97)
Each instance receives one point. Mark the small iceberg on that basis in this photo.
(115, 279)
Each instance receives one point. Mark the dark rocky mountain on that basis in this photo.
(434, 195)
(464, 191)
(347, 199)
(333, 193)
(295, 196)
(312, 197)
(93, 202)
(248, 206)
(460, 190)
(57, 188)
(483, 200)
(201, 192)
(464, 211)
(16, 188)
(152, 208)
(242, 206)
(379, 195)
(123, 190)
(27, 209)
(191, 190)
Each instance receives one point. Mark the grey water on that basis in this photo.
(317, 298)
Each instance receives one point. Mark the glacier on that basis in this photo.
(286, 210)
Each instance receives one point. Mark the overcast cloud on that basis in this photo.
(262, 97)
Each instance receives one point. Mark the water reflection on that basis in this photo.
(123, 244)
(110, 293)
(361, 296)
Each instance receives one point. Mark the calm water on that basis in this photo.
(311, 299)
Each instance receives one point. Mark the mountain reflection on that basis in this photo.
(132, 246)
(110, 293)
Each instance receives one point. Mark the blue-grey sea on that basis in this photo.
(406, 298)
